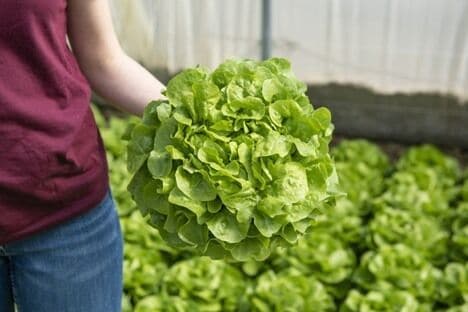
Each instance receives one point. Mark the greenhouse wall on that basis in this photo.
(385, 47)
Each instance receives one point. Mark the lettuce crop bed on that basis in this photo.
(397, 242)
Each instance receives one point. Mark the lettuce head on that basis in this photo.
(234, 162)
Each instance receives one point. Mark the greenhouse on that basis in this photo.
(262, 156)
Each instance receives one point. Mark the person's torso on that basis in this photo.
(51, 154)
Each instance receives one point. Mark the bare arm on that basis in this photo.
(111, 73)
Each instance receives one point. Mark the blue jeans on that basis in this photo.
(74, 267)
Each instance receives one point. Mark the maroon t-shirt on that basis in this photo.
(52, 161)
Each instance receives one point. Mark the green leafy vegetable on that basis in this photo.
(361, 167)
(235, 162)
(459, 239)
(321, 255)
(211, 285)
(454, 288)
(386, 300)
(398, 267)
(422, 233)
(427, 156)
(290, 291)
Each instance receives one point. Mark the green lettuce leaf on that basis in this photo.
(234, 161)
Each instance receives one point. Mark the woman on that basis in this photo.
(60, 243)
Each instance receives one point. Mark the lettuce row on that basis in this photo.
(362, 225)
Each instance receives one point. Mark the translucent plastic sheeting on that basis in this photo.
(183, 33)
(388, 45)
